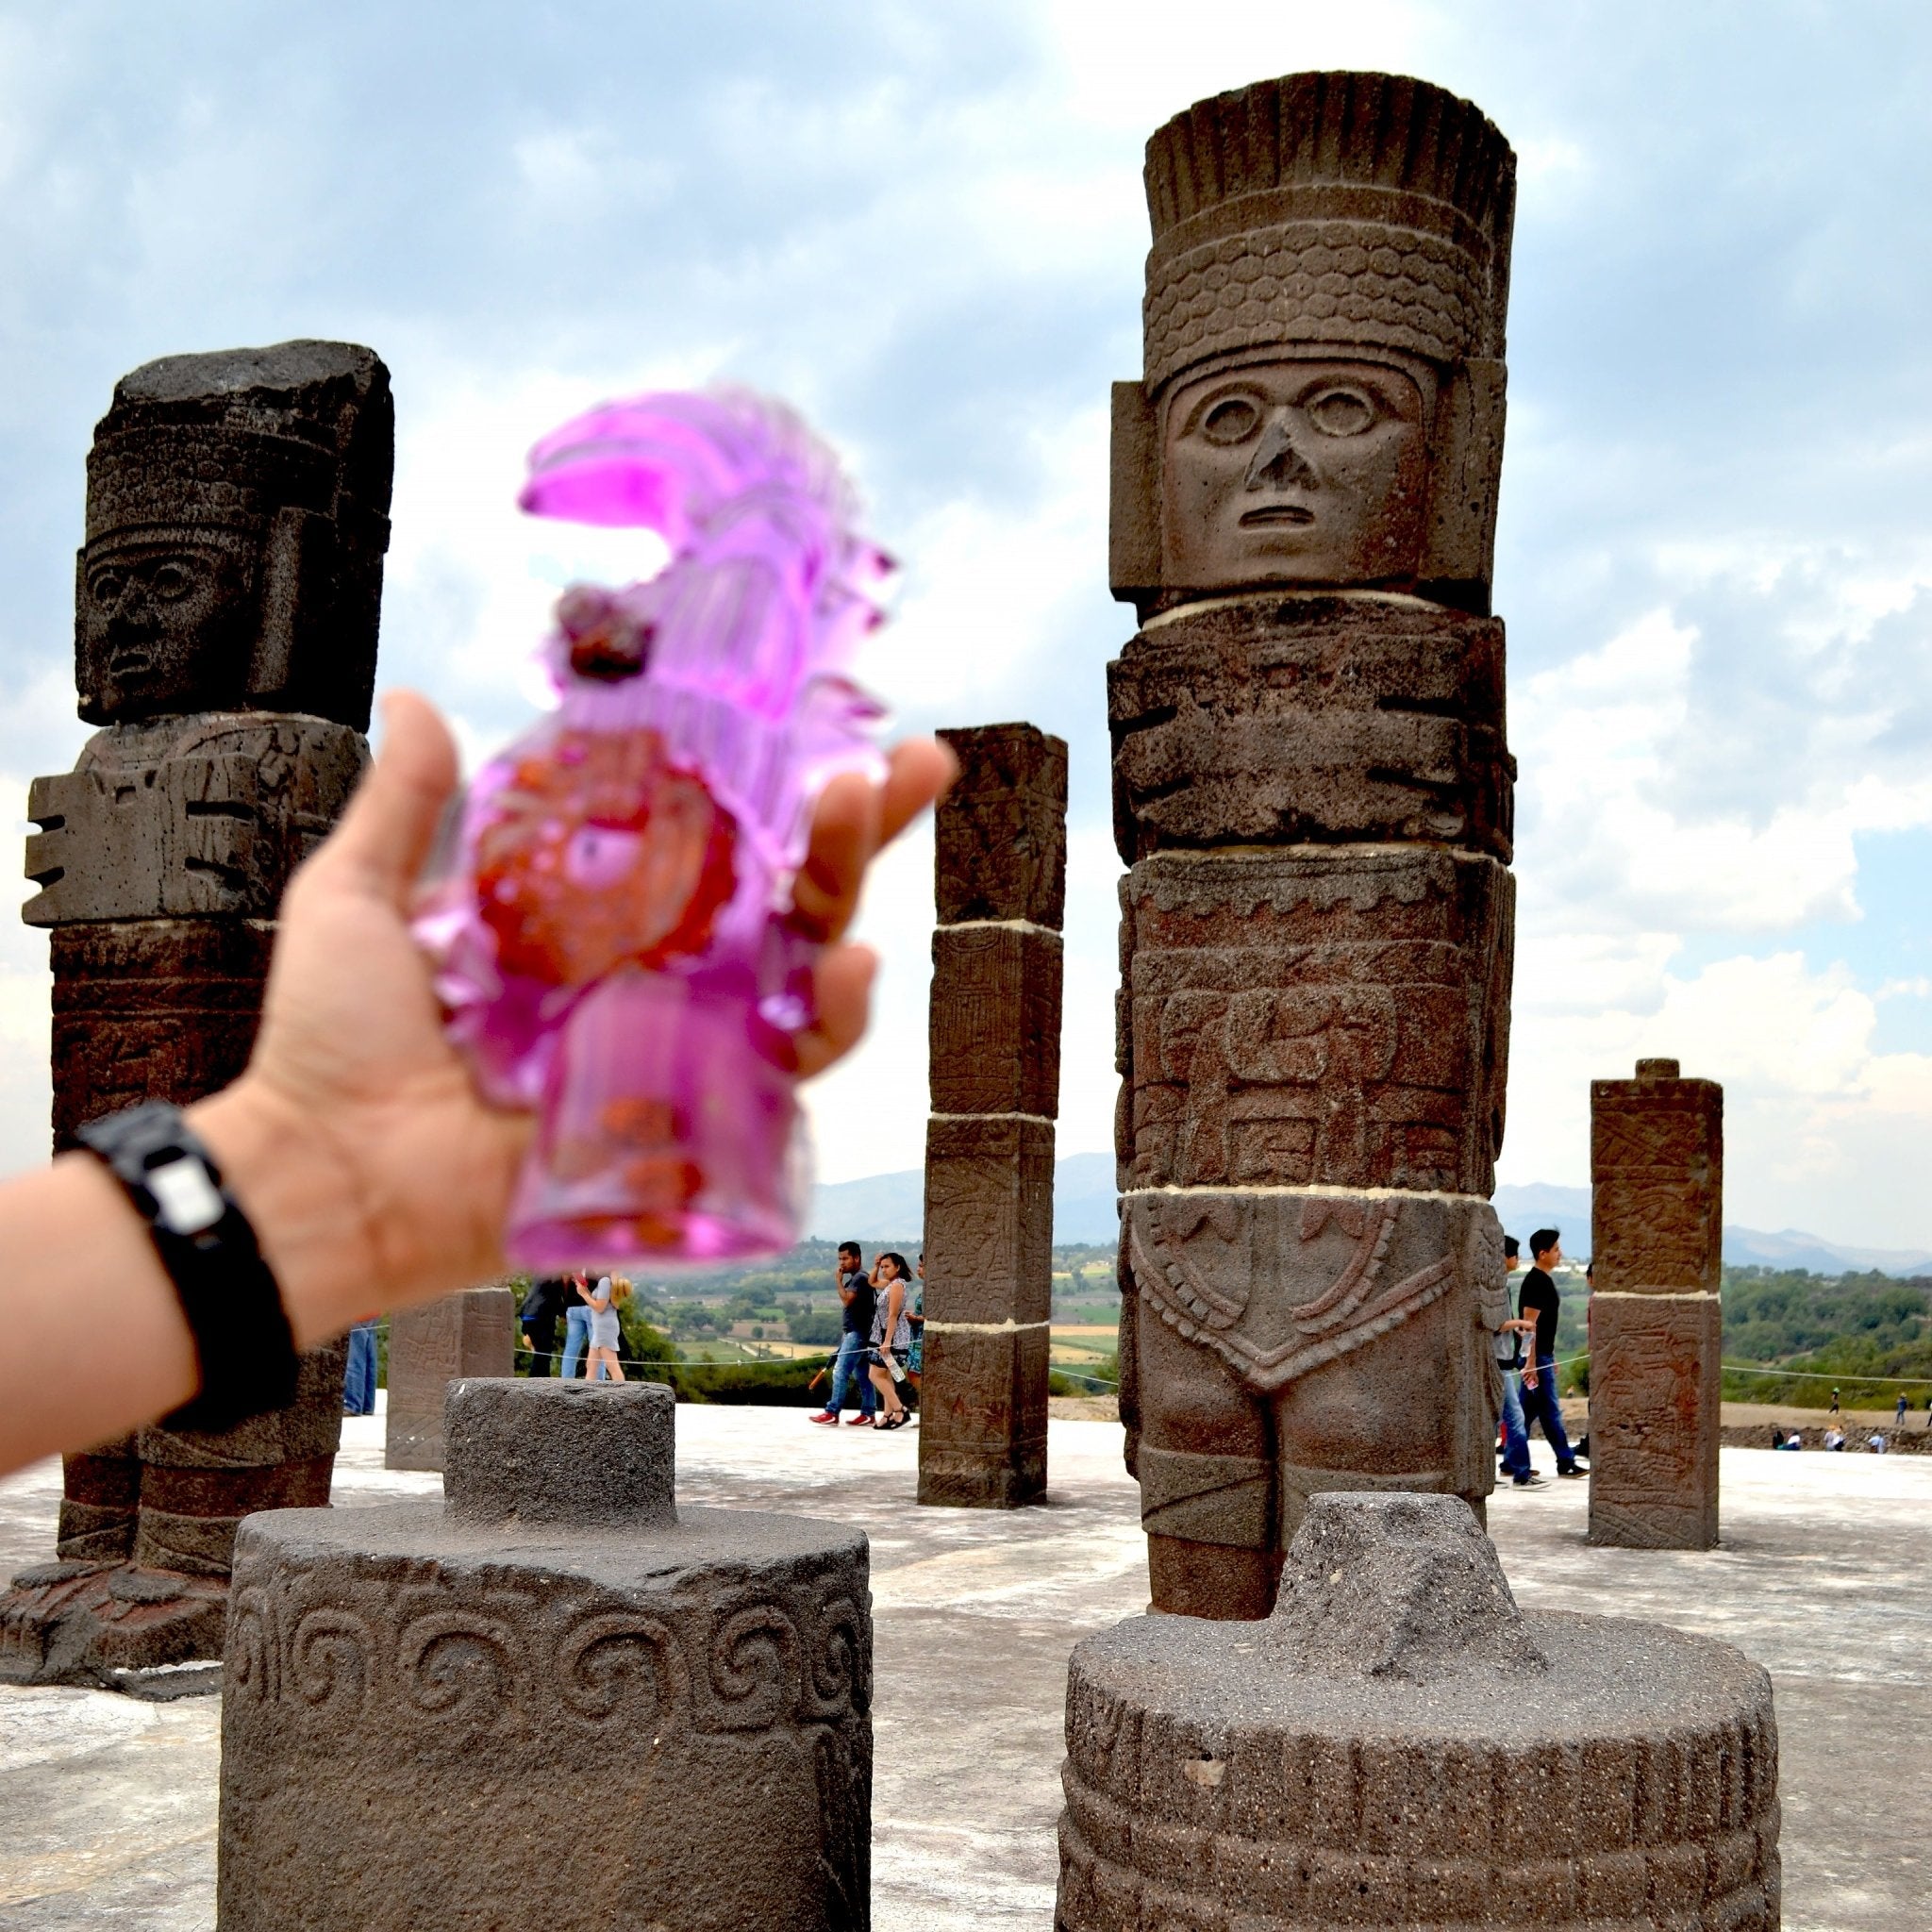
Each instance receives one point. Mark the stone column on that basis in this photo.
(549, 1698)
(1657, 1161)
(1312, 793)
(226, 600)
(471, 1333)
(1001, 870)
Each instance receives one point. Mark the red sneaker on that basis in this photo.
(823, 1415)
(858, 1422)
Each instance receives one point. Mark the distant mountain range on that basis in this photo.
(891, 1206)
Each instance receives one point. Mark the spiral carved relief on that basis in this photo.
(457, 1665)
(622, 1666)
(754, 1668)
(331, 1661)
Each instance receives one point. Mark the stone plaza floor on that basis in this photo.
(1824, 1576)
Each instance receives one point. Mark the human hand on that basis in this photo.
(355, 1139)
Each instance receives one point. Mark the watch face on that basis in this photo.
(187, 1199)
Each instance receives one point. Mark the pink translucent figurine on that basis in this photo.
(607, 920)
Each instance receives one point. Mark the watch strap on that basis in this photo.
(227, 1291)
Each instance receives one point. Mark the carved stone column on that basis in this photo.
(551, 1698)
(1001, 872)
(1656, 1158)
(1313, 795)
(227, 599)
(471, 1333)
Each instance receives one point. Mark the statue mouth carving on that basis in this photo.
(1291, 513)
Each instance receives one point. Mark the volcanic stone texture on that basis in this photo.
(1273, 720)
(1311, 1019)
(1656, 1321)
(1000, 875)
(186, 819)
(448, 1718)
(471, 1333)
(1360, 1759)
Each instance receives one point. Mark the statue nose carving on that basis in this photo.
(1277, 464)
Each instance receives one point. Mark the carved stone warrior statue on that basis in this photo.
(227, 604)
(1313, 791)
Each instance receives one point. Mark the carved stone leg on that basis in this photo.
(1205, 1465)
(100, 1494)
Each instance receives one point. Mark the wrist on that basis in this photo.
(300, 1196)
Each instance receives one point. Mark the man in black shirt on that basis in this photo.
(542, 1309)
(848, 1366)
(1540, 1300)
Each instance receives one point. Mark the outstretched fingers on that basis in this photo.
(852, 821)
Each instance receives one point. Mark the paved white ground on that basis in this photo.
(1825, 1576)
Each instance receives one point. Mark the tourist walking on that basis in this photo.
(892, 1335)
(1898, 1420)
(543, 1308)
(606, 1332)
(577, 1324)
(1832, 1410)
(855, 1339)
(1508, 1347)
(359, 1377)
(1541, 1301)
(915, 1316)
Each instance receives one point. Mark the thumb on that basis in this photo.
(385, 836)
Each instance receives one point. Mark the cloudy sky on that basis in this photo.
(923, 224)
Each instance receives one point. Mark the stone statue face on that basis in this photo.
(165, 623)
(1291, 471)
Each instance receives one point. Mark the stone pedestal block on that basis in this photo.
(1656, 1321)
(989, 1220)
(473, 1334)
(1000, 833)
(995, 1021)
(1311, 720)
(1360, 1760)
(1655, 1422)
(1316, 1019)
(552, 1700)
(982, 1430)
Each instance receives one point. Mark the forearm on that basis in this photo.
(94, 1270)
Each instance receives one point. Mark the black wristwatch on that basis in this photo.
(227, 1291)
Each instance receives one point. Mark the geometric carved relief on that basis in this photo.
(995, 1045)
(1000, 833)
(1285, 721)
(988, 1214)
(1656, 1381)
(1333, 1020)
(195, 818)
(1657, 1172)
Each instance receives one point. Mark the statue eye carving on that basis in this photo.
(1233, 419)
(106, 588)
(1341, 412)
(173, 580)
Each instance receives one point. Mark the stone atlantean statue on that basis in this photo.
(1312, 794)
(1361, 1757)
(227, 601)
